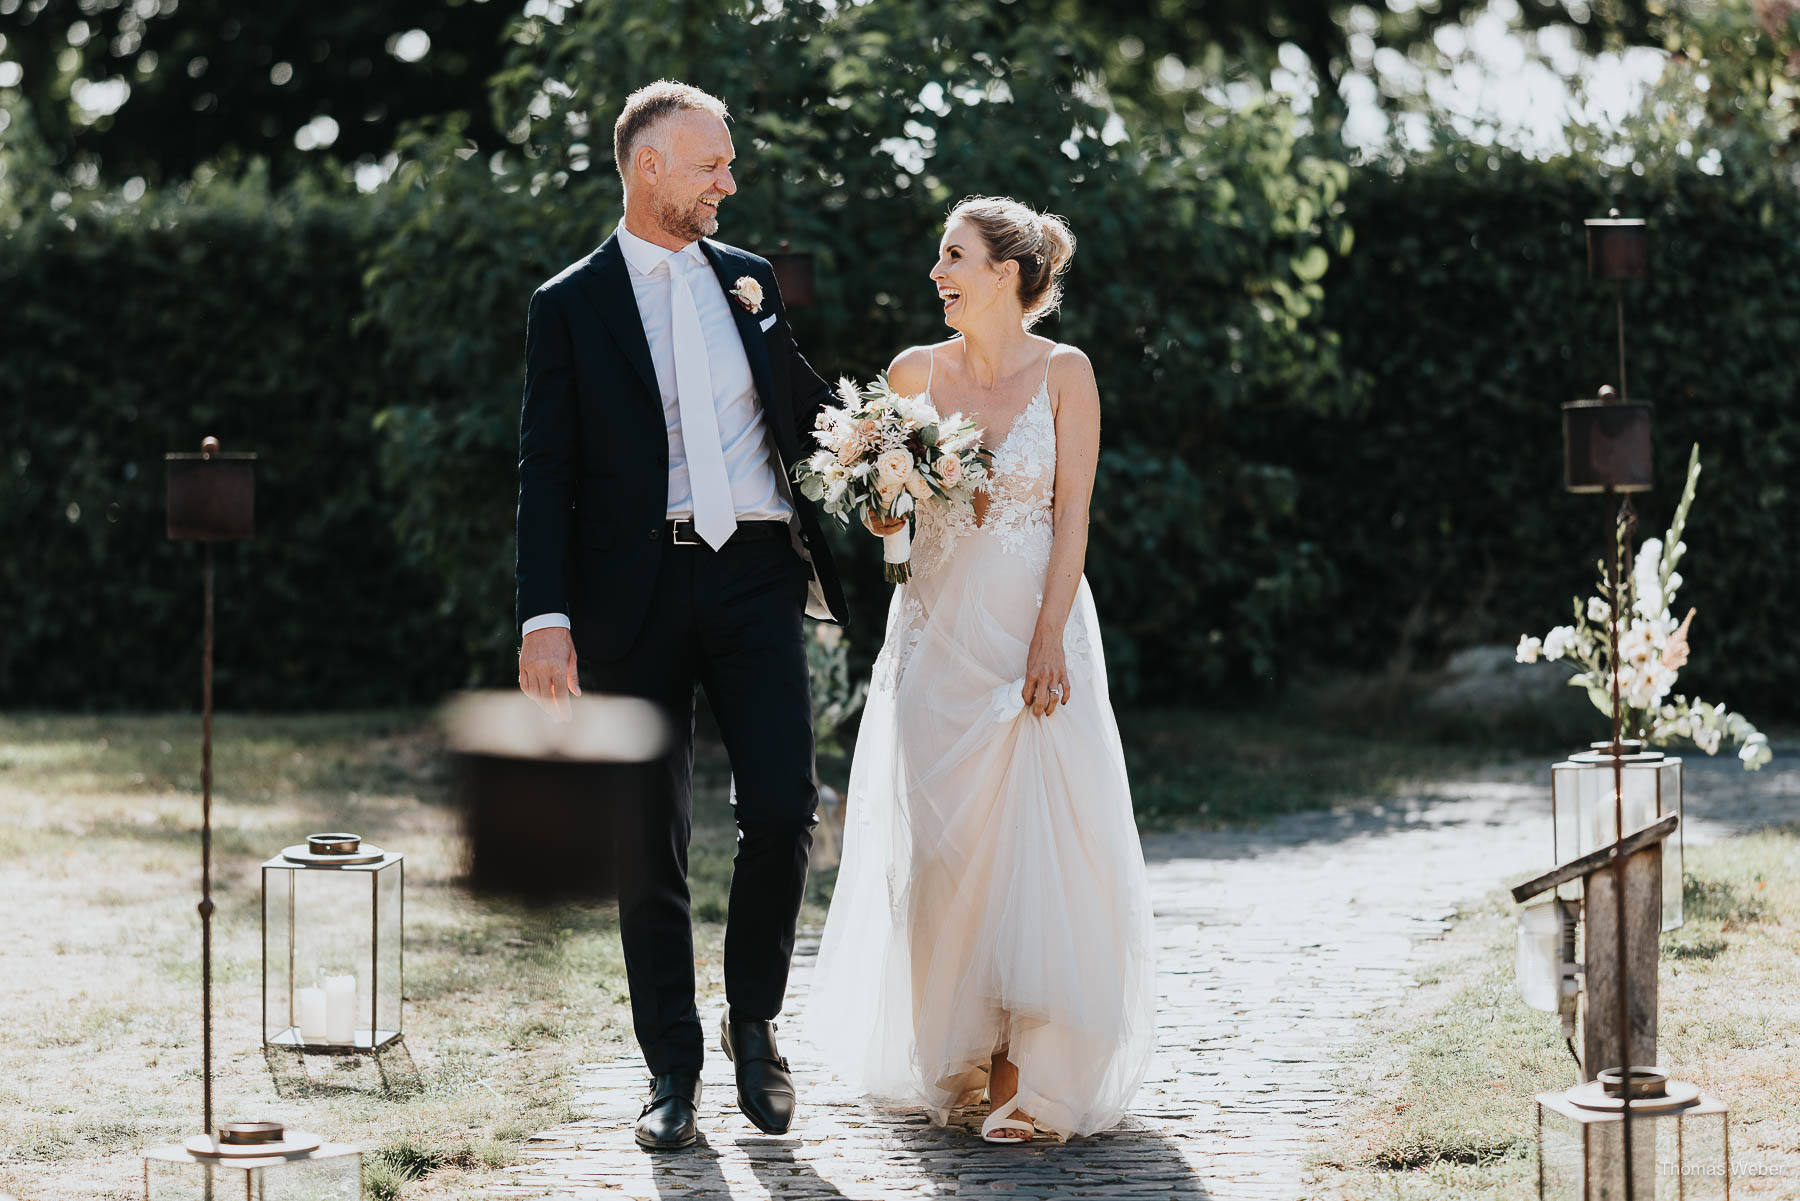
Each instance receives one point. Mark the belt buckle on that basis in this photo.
(675, 538)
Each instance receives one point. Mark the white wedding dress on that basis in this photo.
(992, 891)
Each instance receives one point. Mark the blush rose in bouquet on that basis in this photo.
(882, 454)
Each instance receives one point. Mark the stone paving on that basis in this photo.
(1272, 945)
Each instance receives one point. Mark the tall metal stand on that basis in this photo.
(206, 901)
(1614, 586)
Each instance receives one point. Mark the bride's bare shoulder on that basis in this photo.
(910, 372)
(1071, 377)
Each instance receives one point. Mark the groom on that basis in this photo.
(661, 547)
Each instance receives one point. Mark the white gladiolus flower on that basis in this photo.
(1558, 641)
(1636, 646)
(1707, 740)
(1598, 610)
(1528, 649)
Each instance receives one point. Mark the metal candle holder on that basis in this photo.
(212, 498)
(1604, 1139)
(335, 902)
(793, 275)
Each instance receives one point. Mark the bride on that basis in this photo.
(991, 928)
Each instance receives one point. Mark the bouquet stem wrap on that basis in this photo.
(896, 552)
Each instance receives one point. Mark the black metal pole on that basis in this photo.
(1613, 589)
(1619, 302)
(206, 902)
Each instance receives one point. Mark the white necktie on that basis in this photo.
(715, 518)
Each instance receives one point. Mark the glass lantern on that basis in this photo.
(1544, 955)
(255, 1161)
(1681, 1148)
(1584, 819)
(333, 936)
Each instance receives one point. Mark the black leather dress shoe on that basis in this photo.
(764, 1086)
(667, 1123)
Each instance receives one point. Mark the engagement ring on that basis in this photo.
(1056, 690)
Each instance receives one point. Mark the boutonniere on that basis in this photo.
(749, 293)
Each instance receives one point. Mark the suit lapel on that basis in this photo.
(728, 266)
(609, 282)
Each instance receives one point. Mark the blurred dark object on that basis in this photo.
(793, 275)
(1606, 445)
(541, 799)
(1617, 248)
(211, 495)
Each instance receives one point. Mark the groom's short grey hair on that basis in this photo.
(647, 108)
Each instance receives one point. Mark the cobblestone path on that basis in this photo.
(1271, 945)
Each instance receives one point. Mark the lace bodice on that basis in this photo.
(1021, 493)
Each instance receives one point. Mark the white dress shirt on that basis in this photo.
(756, 491)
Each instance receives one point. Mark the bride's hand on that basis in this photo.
(1046, 674)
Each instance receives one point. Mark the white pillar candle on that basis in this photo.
(340, 1009)
(311, 1002)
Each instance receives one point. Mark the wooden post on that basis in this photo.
(1600, 960)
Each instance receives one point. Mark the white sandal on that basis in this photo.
(1003, 1119)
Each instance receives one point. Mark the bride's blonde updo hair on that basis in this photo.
(1039, 242)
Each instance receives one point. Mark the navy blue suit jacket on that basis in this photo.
(594, 450)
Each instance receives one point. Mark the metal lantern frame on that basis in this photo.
(257, 1161)
(1683, 1135)
(1582, 817)
(344, 864)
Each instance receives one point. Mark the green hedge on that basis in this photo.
(1468, 317)
(128, 333)
(1260, 514)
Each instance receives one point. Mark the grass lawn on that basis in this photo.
(1443, 1083)
(99, 875)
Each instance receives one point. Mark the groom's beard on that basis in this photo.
(689, 224)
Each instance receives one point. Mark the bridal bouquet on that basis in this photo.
(881, 453)
(1653, 647)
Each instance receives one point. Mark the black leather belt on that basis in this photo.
(682, 533)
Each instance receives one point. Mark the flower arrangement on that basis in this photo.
(1653, 647)
(880, 453)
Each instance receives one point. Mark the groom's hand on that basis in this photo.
(547, 667)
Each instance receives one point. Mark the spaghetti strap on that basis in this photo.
(1045, 386)
(931, 371)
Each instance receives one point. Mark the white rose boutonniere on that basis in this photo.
(749, 293)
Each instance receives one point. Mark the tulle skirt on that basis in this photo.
(992, 891)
